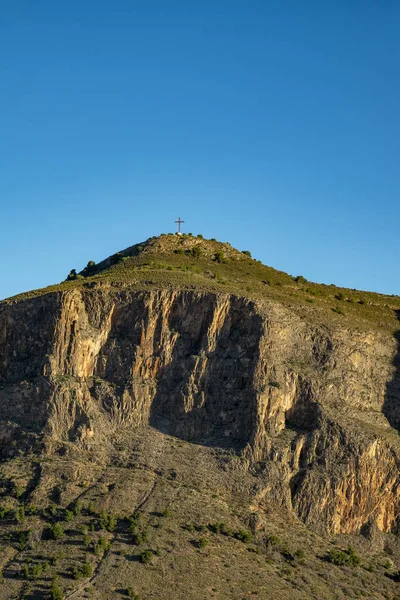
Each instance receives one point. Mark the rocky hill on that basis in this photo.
(181, 421)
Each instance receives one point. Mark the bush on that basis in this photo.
(202, 542)
(21, 541)
(300, 279)
(85, 571)
(274, 384)
(273, 540)
(101, 546)
(219, 528)
(69, 516)
(89, 269)
(219, 257)
(72, 275)
(20, 515)
(37, 571)
(347, 557)
(77, 508)
(3, 512)
(91, 509)
(146, 556)
(117, 258)
(247, 253)
(56, 531)
(55, 591)
(243, 536)
(108, 521)
(196, 251)
(32, 510)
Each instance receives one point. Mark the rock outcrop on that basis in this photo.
(313, 409)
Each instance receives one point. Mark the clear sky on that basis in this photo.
(273, 125)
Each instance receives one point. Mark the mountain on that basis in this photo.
(181, 421)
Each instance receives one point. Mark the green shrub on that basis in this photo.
(69, 516)
(117, 258)
(85, 571)
(52, 510)
(243, 536)
(146, 556)
(72, 275)
(55, 591)
(343, 557)
(202, 542)
(37, 571)
(25, 571)
(108, 521)
(91, 509)
(3, 512)
(101, 546)
(300, 279)
(20, 515)
(219, 257)
(131, 594)
(274, 384)
(32, 510)
(89, 269)
(219, 528)
(56, 531)
(273, 540)
(21, 541)
(77, 508)
(196, 251)
(247, 253)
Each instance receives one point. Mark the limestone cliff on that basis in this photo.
(311, 406)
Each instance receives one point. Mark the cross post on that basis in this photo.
(179, 224)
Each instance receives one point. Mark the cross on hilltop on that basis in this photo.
(179, 224)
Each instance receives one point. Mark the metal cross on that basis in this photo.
(179, 224)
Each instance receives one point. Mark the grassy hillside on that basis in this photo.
(191, 262)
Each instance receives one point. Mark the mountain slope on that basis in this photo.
(185, 381)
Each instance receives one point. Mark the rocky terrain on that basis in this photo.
(237, 424)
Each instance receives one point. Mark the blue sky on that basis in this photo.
(272, 125)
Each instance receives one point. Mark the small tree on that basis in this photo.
(55, 591)
(56, 531)
(196, 251)
(72, 275)
(146, 556)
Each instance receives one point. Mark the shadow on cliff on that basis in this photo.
(391, 405)
(207, 396)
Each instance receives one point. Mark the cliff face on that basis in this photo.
(311, 408)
